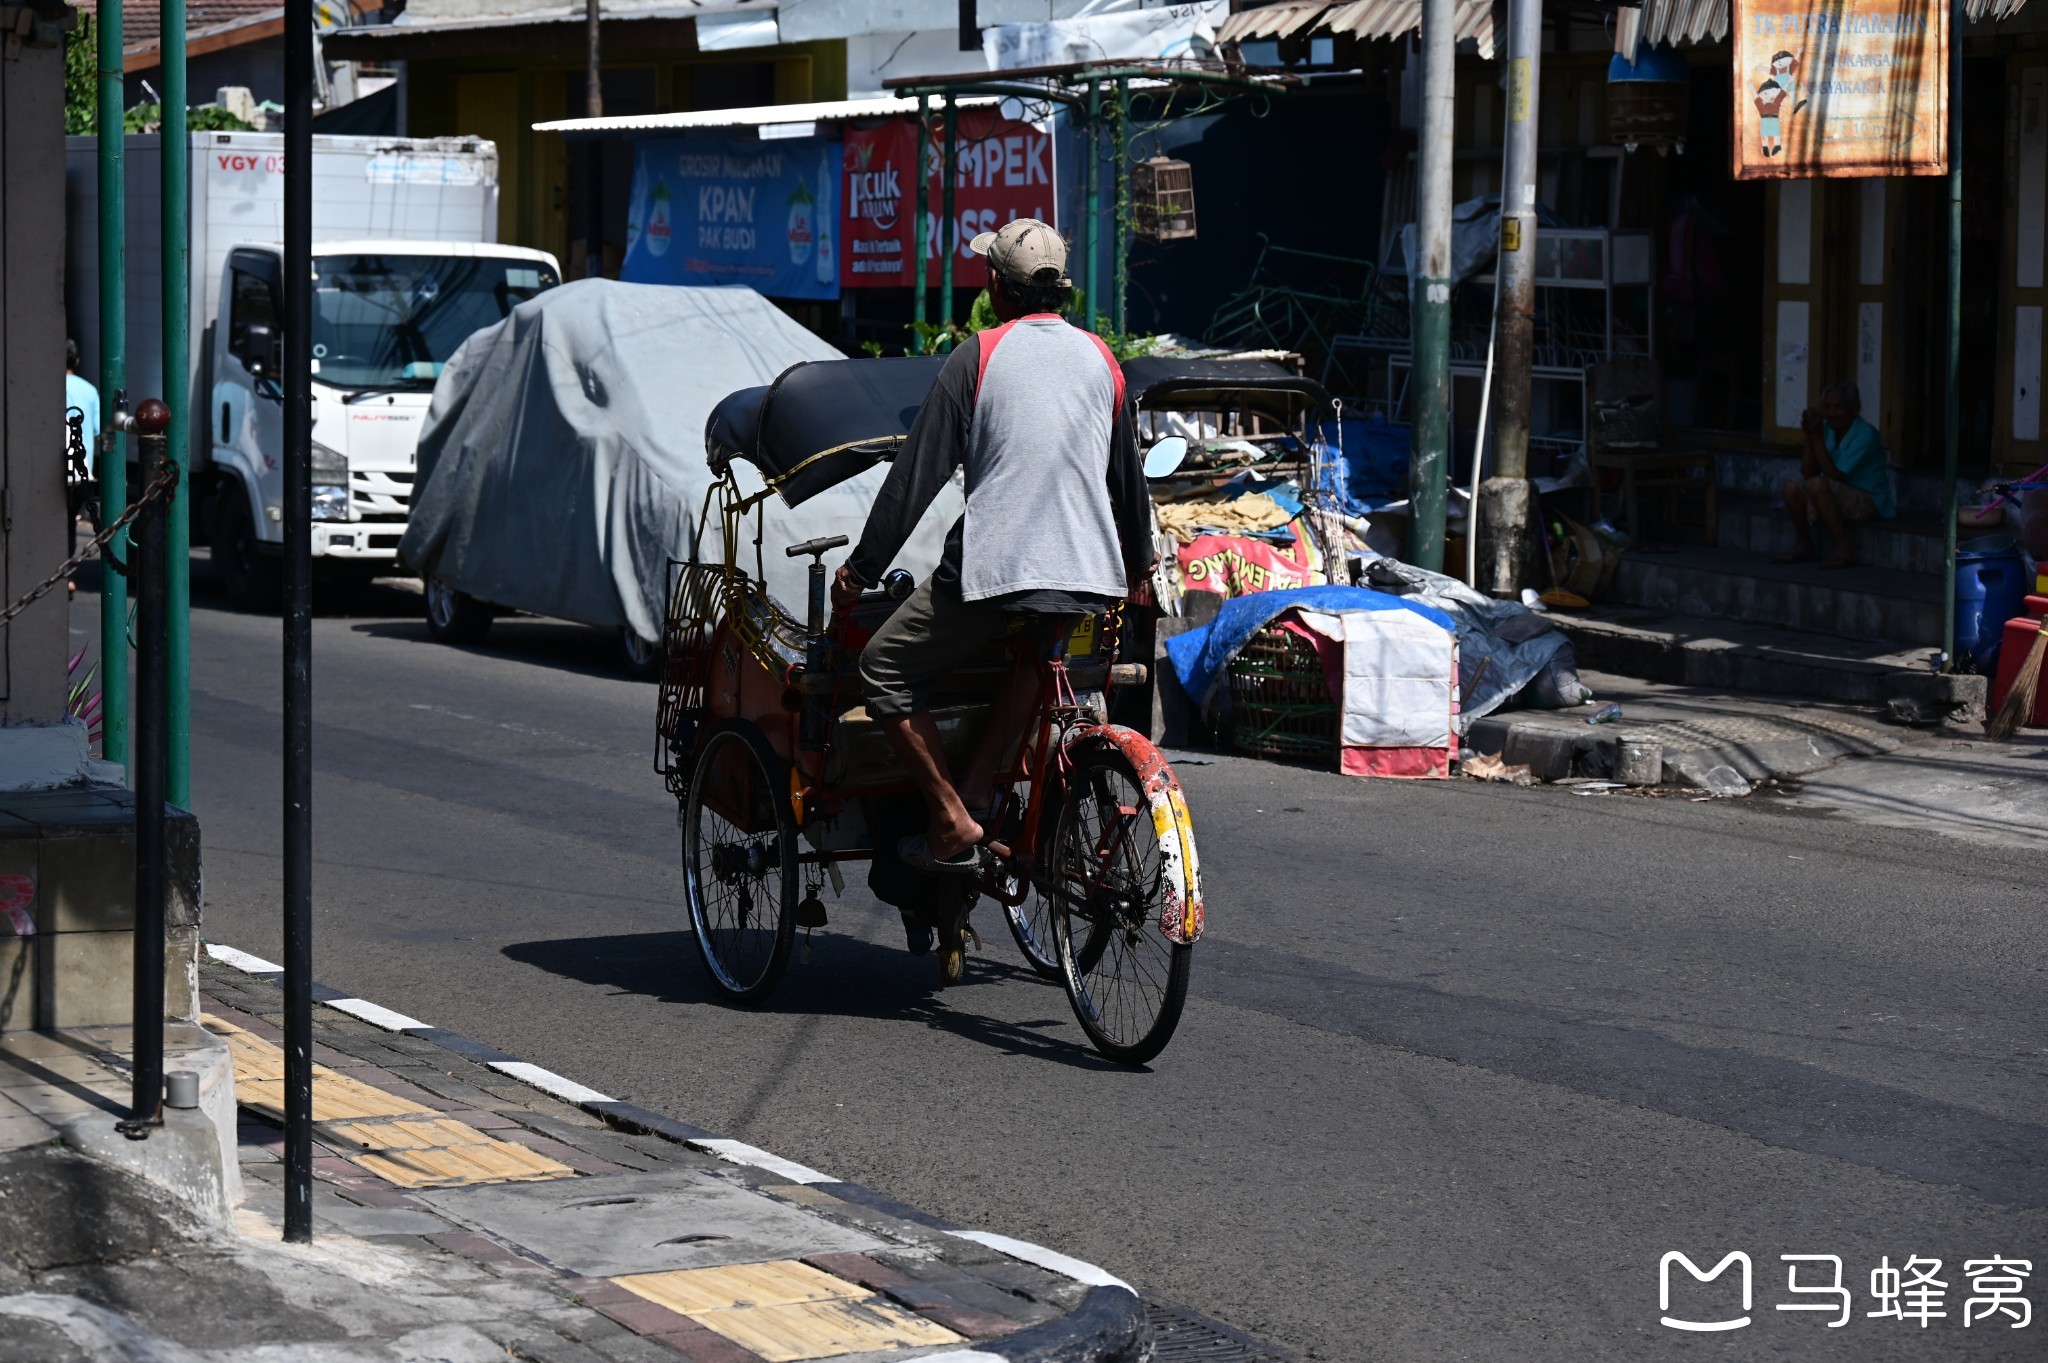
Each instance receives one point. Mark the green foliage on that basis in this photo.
(204, 118)
(81, 78)
(871, 349)
(982, 315)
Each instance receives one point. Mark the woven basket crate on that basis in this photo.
(1280, 705)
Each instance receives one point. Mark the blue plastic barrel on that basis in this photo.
(1991, 587)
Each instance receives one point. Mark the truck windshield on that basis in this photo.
(393, 321)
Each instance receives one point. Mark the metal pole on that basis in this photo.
(1091, 200)
(112, 457)
(152, 751)
(177, 250)
(298, 622)
(593, 81)
(970, 27)
(1429, 279)
(1120, 240)
(1952, 415)
(948, 232)
(917, 266)
(1505, 497)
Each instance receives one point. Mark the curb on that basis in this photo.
(1553, 752)
(1109, 1326)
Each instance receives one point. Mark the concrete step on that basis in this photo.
(1731, 655)
(1863, 602)
(1756, 473)
(1759, 525)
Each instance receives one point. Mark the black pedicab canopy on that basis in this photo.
(1169, 383)
(821, 422)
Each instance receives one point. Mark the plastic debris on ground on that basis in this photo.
(1489, 767)
(1723, 781)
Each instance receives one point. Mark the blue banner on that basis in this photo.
(711, 211)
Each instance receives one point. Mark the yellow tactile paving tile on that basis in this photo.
(487, 1161)
(823, 1329)
(394, 1138)
(778, 1283)
(259, 1082)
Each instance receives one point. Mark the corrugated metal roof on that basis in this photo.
(1664, 21)
(1360, 18)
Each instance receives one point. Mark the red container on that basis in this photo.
(2020, 632)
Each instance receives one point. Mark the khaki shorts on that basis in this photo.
(934, 632)
(1852, 501)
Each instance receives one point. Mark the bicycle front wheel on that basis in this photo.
(1108, 880)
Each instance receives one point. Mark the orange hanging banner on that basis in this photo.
(1840, 88)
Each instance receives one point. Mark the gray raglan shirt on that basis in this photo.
(1058, 518)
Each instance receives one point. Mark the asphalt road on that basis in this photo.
(1459, 1065)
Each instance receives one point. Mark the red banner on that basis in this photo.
(1004, 172)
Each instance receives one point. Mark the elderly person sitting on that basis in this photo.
(1842, 477)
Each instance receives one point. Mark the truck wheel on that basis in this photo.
(639, 659)
(252, 579)
(455, 617)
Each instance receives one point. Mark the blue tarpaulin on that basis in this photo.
(1200, 655)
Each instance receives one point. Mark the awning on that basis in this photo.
(758, 116)
(682, 25)
(1663, 21)
(1360, 18)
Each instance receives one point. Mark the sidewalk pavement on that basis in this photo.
(1844, 760)
(462, 1213)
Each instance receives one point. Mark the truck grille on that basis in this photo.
(380, 496)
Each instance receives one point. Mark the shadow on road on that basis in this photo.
(845, 977)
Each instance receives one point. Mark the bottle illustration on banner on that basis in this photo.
(828, 268)
(636, 207)
(803, 223)
(660, 228)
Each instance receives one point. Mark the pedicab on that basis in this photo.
(783, 779)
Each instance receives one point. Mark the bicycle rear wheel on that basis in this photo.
(1126, 979)
(739, 861)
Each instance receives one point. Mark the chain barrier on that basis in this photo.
(164, 485)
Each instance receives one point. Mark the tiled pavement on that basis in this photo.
(419, 1147)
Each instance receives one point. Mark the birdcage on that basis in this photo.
(1163, 199)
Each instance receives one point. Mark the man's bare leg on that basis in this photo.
(1793, 491)
(1821, 493)
(1008, 711)
(915, 739)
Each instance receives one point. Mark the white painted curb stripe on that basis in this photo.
(547, 1081)
(963, 1356)
(242, 960)
(1078, 1270)
(739, 1152)
(375, 1014)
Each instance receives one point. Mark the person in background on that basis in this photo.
(1842, 477)
(81, 479)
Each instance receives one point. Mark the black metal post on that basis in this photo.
(970, 27)
(152, 775)
(298, 622)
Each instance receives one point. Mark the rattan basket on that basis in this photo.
(1280, 704)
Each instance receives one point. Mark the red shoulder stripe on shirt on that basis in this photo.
(1116, 371)
(987, 341)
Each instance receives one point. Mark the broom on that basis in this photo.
(2019, 702)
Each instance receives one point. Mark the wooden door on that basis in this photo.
(1796, 319)
(487, 105)
(2024, 273)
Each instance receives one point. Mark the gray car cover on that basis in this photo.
(562, 464)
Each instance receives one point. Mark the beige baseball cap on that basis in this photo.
(1025, 250)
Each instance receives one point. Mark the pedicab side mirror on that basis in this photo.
(1165, 456)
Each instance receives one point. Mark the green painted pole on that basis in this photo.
(112, 457)
(1091, 201)
(1120, 236)
(1429, 402)
(1952, 417)
(917, 266)
(948, 239)
(177, 250)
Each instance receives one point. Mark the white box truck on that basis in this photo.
(404, 270)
